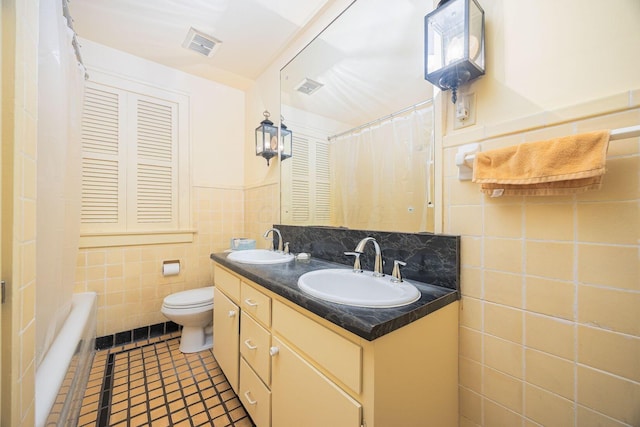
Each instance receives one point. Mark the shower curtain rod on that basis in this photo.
(74, 41)
(381, 119)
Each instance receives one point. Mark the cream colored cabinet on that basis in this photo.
(254, 395)
(303, 396)
(226, 335)
(254, 347)
(255, 363)
(296, 368)
(226, 324)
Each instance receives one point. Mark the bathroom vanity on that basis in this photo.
(294, 359)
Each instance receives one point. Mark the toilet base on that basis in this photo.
(195, 338)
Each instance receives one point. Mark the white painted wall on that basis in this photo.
(546, 55)
(265, 95)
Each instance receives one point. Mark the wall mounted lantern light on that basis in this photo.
(454, 44)
(286, 138)
(266, 138)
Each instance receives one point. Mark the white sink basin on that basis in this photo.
(259, 256)
(357, 289)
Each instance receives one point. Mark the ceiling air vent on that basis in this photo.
(308, 86)
(200, 42)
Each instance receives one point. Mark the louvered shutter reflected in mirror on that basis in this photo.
(309, 173)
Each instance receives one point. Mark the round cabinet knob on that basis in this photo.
(232, 313)
(274, 350)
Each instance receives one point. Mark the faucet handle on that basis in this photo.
(286, 247)
(357, 268)
(396, 276)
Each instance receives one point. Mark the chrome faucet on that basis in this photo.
(275, 231)
(377, 266)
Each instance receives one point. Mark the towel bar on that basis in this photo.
(467, 153)
(623, 133)
(464, 160)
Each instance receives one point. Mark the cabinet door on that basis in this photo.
(303, 396)
(226, 336)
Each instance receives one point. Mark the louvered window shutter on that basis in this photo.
(103, 185)
(155, 182)
(129, 162)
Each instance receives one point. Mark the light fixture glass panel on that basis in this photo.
(286, 138)
(476, 39)
(266, 138)
(445, 35)
(454, 35)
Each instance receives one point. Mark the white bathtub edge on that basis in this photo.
(52, 370)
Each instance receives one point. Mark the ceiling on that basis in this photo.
(367, 73)
(253, 32)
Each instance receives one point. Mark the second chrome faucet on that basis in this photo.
(377, 265)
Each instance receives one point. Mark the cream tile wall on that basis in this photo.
(262, 210)
(550, 313)
(129, 281)
(19, 121)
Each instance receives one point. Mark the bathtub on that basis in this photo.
(62, 376)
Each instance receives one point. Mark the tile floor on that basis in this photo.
(151, 383)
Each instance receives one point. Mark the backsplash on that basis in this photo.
(430, 258)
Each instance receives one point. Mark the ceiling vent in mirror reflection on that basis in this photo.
(200, 42)
(308, 86)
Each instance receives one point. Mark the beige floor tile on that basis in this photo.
(153, 383)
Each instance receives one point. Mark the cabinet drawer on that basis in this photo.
(227, 282)
(339, 356)
(254, 347)
(255, 396)
(256, 303)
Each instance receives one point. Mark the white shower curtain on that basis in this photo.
(60, 92)
(382, 174)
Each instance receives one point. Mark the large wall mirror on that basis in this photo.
(361, 114)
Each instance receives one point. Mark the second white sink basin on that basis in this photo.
(259, 256)
(357, 289)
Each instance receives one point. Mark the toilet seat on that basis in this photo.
(193, 298)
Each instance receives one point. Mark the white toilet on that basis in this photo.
(193, 309)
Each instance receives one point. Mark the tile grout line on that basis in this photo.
(105, 392)
(180, 383)
(162, 382)
(118, 363)
(197, 384)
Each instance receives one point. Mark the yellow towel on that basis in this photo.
(559, 166)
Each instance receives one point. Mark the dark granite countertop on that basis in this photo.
(368, 323)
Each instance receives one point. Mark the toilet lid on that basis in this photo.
(190, 299)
